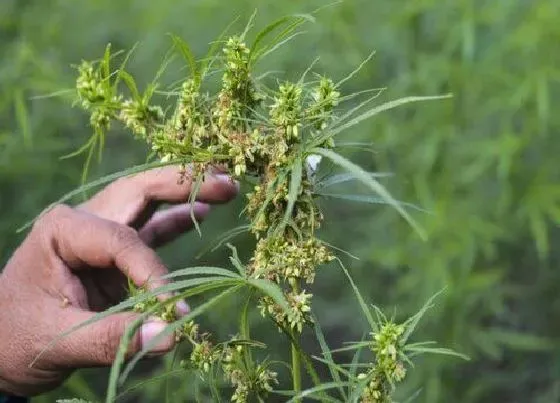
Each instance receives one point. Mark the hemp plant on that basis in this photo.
(271, 138)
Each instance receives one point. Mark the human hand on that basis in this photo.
(75, 261)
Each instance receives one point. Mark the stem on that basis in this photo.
(296, 369)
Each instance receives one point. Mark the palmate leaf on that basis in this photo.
(370, 182)
(193, 286)
(264, 286)
(272, 290)
(116, 377)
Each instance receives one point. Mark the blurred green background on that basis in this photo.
(486, 164)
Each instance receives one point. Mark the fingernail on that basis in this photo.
(149, 331)
(182, 308)
(200, 209)
(228, 179)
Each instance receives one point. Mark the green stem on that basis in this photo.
(296, 369)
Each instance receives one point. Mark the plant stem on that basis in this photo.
(296, 369)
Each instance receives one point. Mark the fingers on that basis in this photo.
(84, 240)
(126, 199)
(97, 344)
(167, 225)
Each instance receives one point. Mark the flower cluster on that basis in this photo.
(388, 368)
(325, 98)
(276, 258)
(258, 381)
(140, 117)
(97, 96)
(249, 133)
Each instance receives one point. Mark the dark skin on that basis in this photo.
(75, 262)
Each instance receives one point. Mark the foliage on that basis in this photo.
(483, 163)
(273, 138)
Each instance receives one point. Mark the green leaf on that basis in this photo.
(382, 108)
(204, 284)
(90, 143)
(131, 84)
(356, 70)
(234, 259)
(272, 290)
(367, 199)
(320, 388)
(185, 50)
(292, 22)
(249, 25)
(173, 327)
(413, 351)
(206, 63)
(373, 184)
(22, 117)
(360, 299)
(328, 356)
(123, 65)
(356, 359)
(347, 177)
(413, 321)
(225, 237)
(195, 189)
(201, 270)
(98, 182)
(293, 193)
(244, 327)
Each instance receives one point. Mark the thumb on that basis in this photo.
(97, 344)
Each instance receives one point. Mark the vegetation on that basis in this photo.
(484, 164)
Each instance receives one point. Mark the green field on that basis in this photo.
(483, 166)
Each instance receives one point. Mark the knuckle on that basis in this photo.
(109, 342)
(111, 339)
(52, 218)
(124, 238)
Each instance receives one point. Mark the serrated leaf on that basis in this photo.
(272, 290)
(373, 184)
(384, 107)
(131, 84)
(185, 51)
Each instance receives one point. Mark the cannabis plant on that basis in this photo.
(272, 135)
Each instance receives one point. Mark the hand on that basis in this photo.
(76, 261)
